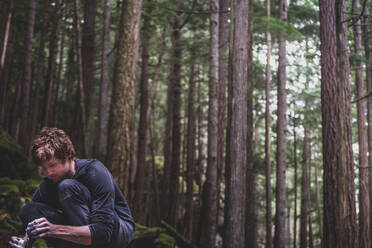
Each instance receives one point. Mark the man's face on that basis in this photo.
(56, 170)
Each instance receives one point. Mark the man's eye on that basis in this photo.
(52, 165)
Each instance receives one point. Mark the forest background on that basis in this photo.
(243, 123)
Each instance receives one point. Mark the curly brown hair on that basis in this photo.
(52, 142)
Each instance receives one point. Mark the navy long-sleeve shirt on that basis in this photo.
(107, 201)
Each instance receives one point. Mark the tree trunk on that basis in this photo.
(88, 51)
(210, 200)
(364, 201)
(53, 47)
(80, 123)
(4, 69)
(6, 35)
(142, 127)
(367, 33)
(251, 232)
(101, 135)
(190, 153)
(26, 82)
(295, 183)
(70, 76)
(235, 214)
(39, 76)
(223, 53)
(305, 187)
(59, 82)
(340, 229)
(121, 113)
(280, 230)
(269, 236)
(176, 122)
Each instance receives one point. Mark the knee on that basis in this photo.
(29, 212)
(72, 188)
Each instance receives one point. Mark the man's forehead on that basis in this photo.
(53, 160)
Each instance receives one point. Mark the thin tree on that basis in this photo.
(101, 134)
(210, 199)
(305, 186)
(367, 33)
(175, 78)
(53, 47)
(26, 82)
(281, 156)
(295, 182)
(237, 143)
(190, 160)
(340, 229)
(364, 201)
(269, 236)
(143, 121)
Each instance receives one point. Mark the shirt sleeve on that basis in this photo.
(102, 207)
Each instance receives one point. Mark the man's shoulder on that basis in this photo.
(86, 166)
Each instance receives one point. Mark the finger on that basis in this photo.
(15, 238)
(12, 244)
(42, 235)
(40, 230)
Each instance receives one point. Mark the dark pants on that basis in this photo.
(74, 199)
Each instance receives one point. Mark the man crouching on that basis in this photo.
(78, 204)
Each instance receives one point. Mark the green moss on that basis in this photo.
(164, 241)
(40, 243)
(9, 189)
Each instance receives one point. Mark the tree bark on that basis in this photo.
(210, 200)
(269, 236)
(295, 183)
(223, 53)
(88, 51)
(26, 82)
(367, 32)
(364, 201)
(176, 122)
(340, 229)
(121, 113)
(305, 187)
(53, 46)
(251, 230)
(101, 135)
(235, 214)
(280, 230)
(39, 76)
(6, 35)
(190, 160)
(142, 127)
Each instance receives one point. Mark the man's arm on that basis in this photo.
(76, 234)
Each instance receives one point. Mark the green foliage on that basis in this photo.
(277, 28)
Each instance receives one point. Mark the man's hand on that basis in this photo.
(40, 228)
(16, 242)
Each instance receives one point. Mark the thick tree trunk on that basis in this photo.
(280, 230)
(190, 160)
(101, 134)
(340, 229)
(26, 82)
(123, 99)
(364, 201)
(210, 199)
(235, 214)
(269, 236)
